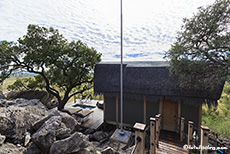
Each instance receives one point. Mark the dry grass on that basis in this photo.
(12, 79)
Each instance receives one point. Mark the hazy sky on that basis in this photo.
(150, 26)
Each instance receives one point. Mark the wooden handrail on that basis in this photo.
(135, 146)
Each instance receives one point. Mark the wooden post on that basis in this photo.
(117, 112)
(204, 139)
(144, 120)
(160, 118)
(161, 108)
(181, 128)
(157, 129)
(199, 119)
(139, 133)
(190, 130)
(152, 135)
(178, 115)
(104, 106)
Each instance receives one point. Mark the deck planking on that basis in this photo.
(169, 143)
(94, 120)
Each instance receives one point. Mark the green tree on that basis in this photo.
(63, 65)
(201, 52)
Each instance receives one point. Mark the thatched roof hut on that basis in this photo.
(149, 79)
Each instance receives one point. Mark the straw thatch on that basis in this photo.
(148, 79)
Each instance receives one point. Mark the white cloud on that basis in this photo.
(149, 26)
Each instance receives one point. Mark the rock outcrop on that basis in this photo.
(17, 117)
(46, 135)
(68, 120)
(28, 127)
(43, 96)
(55, 126)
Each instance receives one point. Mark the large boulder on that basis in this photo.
(12, 149)
(54, 126)
(68, 120)
(33, 149)
(17, 117)
(71, 144)
(46, 135)
(43, 96)
(7, 125)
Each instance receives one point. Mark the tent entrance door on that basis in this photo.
(169, 121)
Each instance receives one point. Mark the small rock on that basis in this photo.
(18, 145)
(89, 131)
(63, 133)
(89, 150)
(99, 136)
(2, 139)
(27, 138)
(96, 144)
(52, 104)
(109, 150)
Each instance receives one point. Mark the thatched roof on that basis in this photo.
(149, 79)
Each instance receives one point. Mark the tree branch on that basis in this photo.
(79, 92)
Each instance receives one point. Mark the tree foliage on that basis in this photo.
(201, 53)
(62, 65)
(217, 118)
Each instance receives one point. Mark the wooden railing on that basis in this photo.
(195, 137)
(138, 140)
(139, 147)
(198, 137)
(155, 127)
(204, 140)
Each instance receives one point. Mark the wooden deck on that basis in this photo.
(94, 120)
(169, 143)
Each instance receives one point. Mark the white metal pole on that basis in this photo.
(121, 130)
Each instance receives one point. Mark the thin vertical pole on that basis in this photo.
(121, 70)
